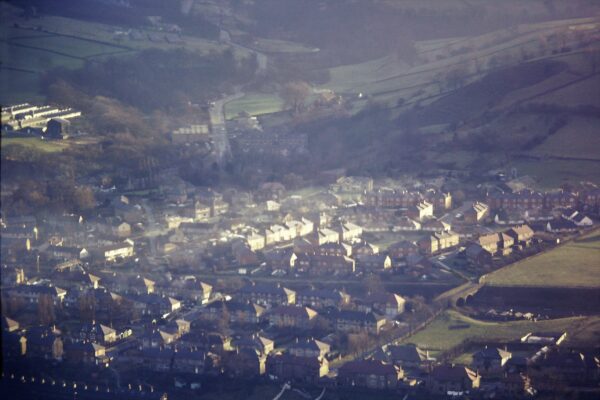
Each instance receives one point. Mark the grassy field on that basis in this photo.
(254, 104)
(451, 328)
(44, 146)
(34, 46)
(281, 46)
(575, 264)
(551, 173)
(580, 138)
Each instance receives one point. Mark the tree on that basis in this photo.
(294, 94)
(84, 198)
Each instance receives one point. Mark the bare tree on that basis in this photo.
(294, 94)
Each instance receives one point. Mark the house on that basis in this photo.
(322, 298)
(402, 249)
(325, 235)
(490, 359)
(97, 333)
(31, 294)
(478, 254)
(116, 252)
(268, 294)
(408, 356)
(388, 304)
(364, 248)
(496, 243)
(522, 235)
(438, 241)
(352, 184)
(67, 252)
(238, 312)
(544, 338)
(121, 230)
(158, 338)
(376, 262)
(452, 379)
(309, 348)
(476, 213)
(421, 211)
(281, 259)
(58, 128)
(86, 352)
(292, 316)
(14, 345)
(202, 212)
(191, 360)
(355, 321)
(404, 223)
(9, 325)
(191, 289)
(45, 343)
(334, 250)
(301, 227)
(255, 241)
(579, 219)
(436, 225)
(559, 199)
(525, 199)
(154, 358)
(349, 231)
(289, 367)
(391, 198)
(371, 374)
(244, 256)
(256, 341)
(441, 201)
(561, 225)
(325, 265)
(246, 362)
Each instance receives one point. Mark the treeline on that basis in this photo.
(160, 79)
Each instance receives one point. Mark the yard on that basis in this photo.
(254, 104)
(34, 143)
(575, 264)
(451, 328)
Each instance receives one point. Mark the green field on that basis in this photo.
(580, 138)
(281, 46)
(31, 47)
(551, 173)
(45, 146)
(254, 104)
(451, 328)
(575, 264)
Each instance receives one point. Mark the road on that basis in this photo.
(220, 140)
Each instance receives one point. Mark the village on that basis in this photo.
(321, 286)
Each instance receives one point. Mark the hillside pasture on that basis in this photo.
(580, 138)
(254, 104)
(35, 143)
(452, 328)
(574, 264)
(551, 173)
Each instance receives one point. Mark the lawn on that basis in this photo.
(575, 264)
(254, 104)
(580, 138)
(551, 173)
(45, 146)
(451, 328)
